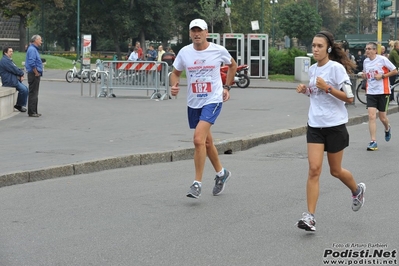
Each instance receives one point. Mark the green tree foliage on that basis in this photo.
(154, 20)
(183, 13)
(243, 12)
(22, 9)
(110, 21)
(283, 61)
(211, 11)
(360, 17)
(300, 20)
(328, 10)
(55, 24)
(116, 21)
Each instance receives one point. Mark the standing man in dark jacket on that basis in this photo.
(394, 58)
(359, 61)
(12, 76)
(169, 58)
(151, 54)
(34, 67)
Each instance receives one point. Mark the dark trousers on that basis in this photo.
(34, 83)
(392, 81)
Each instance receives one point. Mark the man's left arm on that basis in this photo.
(231, 72)
(389, 65)
(229, 79)
(391, 73)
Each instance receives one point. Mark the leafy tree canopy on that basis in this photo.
(300, 20)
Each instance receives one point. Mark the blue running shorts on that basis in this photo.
(207, 113)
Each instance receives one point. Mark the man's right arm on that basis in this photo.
(12, 68)
(174, 82)
(175, 77)
(30, 61)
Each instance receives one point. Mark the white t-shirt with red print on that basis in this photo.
(203, 73)
(326, 110)
(379, 65)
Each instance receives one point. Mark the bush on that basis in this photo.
(283, 61)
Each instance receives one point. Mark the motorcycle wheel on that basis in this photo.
(85, 77)
(94, 76)
(69, 76)
(243, 81)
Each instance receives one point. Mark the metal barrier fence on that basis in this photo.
(131, 75)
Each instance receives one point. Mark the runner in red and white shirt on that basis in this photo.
(205, 94)
(377, 69)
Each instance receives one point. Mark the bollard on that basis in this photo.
(81, 86)
(90, 84)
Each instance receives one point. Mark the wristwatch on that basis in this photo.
(329, 90)
(227, 87)
(382, 76)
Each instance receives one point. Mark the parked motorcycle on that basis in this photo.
(241, 78)
(75, 73)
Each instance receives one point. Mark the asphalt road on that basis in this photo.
(141, 216)
(74, 129)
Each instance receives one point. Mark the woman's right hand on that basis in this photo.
(301, 88)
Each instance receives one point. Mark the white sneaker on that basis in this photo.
(358, 200)
(307, 222)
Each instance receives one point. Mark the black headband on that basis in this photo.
(325, 35)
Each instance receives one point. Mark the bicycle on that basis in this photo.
(74, 73)
(94, 73)
(361, 91)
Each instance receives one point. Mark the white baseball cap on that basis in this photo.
(200, 23)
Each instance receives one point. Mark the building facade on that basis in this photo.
(9, 33)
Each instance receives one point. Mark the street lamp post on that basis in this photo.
(358, 17)
(262, 16)
(43, 26)
(273, 2)
(396, 19)
(78, 31)
(226, 4)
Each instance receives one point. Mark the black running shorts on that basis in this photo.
(380, 101)
(334, 139)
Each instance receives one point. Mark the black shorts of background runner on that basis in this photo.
(379, 101)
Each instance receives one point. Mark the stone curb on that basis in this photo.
(224, 147)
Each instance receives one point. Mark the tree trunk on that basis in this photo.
(66, 45)
(118, 49)
(142, 41)
(22, 33)
(116, 44)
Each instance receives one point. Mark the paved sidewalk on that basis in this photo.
(59, 75)
(82, 134)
